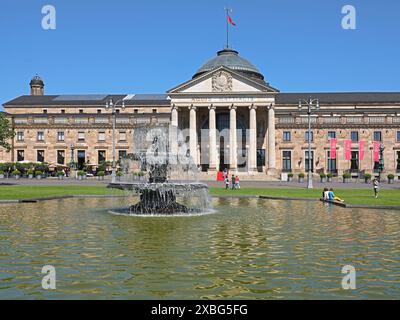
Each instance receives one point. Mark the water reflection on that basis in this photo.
(248, 249)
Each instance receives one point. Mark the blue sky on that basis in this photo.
(150, 46)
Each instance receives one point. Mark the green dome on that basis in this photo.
(230, 58)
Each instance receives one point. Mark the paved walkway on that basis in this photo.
(215, 184)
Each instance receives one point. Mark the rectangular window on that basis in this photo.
(122, 136)
(354, 136)
(136, 111)
(398, 136)
(60, 136)
(61, 157)
(20, 136)
(398, 161)
(377, 135)
(331, 164)
(354, 162)
(286, 161)
(99, 111)
(62, 111)
(20, 155)
(287, 136)
(154, 110)
(309, 161)
(44, 111)
(101, 156)
(102, 136)
(81, 136)
(40, 136)
(260, 158)
(121, 154)
(331, 135)
(40, 156)
(80, 110)
(311, 136)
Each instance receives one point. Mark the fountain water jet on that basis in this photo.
(158, 195)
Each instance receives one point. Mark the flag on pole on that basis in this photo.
(333, 148)
(230, 20)
(377, 144)
(347, 149)
(361, 147)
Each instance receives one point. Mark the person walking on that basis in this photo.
(375, 183)
(226, 183)
(233, 182)
(237, 183)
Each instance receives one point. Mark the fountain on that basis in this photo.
(171, 176)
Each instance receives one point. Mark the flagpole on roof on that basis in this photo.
(227, 27)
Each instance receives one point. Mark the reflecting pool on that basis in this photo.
(247, 249)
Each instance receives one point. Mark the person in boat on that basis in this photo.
(332, 196)
(325, 195)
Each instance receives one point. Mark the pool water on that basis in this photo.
(247, 249)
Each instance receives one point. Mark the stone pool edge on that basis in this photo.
(343, 205)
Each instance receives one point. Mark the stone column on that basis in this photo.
(252, 156)
(174, 116)
(233, 139)
(212, 139)
(173, 135)
(193, 134)
(271, 141)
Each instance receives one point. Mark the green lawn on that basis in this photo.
(29, 192)
(351, 196)
(356, 196)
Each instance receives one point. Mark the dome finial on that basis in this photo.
(37, 86)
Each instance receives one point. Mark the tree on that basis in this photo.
(6, 132)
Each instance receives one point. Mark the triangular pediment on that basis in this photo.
(222, 80)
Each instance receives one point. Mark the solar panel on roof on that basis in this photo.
(85, 97)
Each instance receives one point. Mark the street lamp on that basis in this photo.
(72, 164)
(381, 160)
(310, 105)
(110, 105)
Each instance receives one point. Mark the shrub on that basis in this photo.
(60, 173)
(290, 175)
(16, 172)
(329, 175)
(301, 175)
(390, 176)
(367, 176)
(100, 174)
(1, 172)
(346, 175)
(81, 173)
(119, 174)
(38, 173)
(140, 173)
(30, 172)
(322, 175)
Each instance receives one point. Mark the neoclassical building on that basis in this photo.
(233, 118)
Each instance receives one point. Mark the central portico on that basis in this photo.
(228, 110)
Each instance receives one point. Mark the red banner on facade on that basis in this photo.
(333, 148)
(347, 149)
(362, 149)
(377, 144)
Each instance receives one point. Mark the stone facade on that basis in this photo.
(234, 119)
